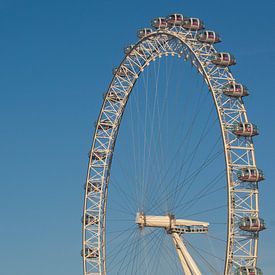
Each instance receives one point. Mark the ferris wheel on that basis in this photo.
(182, 38)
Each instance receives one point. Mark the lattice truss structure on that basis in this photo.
(242, 245)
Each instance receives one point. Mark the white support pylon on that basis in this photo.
(188, 264)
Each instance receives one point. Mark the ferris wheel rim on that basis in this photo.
(155, 35)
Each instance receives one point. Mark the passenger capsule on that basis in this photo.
(223, 59)
(193, 24)
(90, 220)
(159, 23)
(250, 174)
(251, 224)
(210, 37)
(105, 125)
(144, 32)
(175, 19)
(235, 90)
(115, 96)
(99, 155)
(94, 186)
(91, 253)
(244, 270)
(245, 129)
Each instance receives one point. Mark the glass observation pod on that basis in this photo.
(159, 23)
(251, 224)
(105, 124)
(94, 186)
(250, 174)
(115, 96)
(99, 155)
(244, 270)
(223, 59)
(175, 19)
(89, 219)
(144, 32)
(91, 253)
(245, 129)
(193, 24)
(235, 90)
(210, 37)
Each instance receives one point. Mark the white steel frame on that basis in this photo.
(242, 247)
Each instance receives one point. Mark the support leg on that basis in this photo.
(188, 264)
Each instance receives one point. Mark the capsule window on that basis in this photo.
(211, 35)
(226, 57)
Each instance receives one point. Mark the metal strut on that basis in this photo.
(188, 264)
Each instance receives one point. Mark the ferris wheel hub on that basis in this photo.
(171, 224)
(176, 227)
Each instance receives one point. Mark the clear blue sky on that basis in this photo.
(56, 62)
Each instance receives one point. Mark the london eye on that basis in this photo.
(182, 194)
